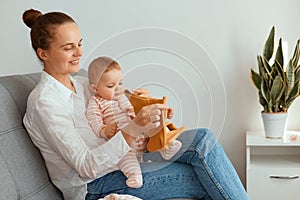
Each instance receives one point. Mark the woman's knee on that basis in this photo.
(201, 140)
(206, 134)
(206, 141)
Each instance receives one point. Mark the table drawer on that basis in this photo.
(273, 183)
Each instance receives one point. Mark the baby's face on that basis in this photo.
(110, 85)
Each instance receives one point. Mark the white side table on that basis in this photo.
(273, 166)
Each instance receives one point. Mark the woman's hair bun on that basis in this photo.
(31, 16)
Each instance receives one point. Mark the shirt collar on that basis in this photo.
(58, 87)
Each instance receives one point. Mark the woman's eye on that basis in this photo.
(68, 48)
(121, 83)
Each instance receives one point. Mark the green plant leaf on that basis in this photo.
(277, 89)
(279, 54)
(296, 54)
(266, 65)
(298, 67)
(278, 69)
(293, 95)
(261, 67)
(285, 94)
(256, 80)
(290, 75)
(297, 74)
(283, 100)
(262, 101)
(265, 91)
(268, 72)
(276, 107)
(269, 45)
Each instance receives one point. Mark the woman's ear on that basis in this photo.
(93, 88)
(42, 54)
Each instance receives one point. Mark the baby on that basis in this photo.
(109, 111)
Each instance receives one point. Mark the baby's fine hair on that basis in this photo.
(99, 66)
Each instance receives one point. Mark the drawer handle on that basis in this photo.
(284, 177)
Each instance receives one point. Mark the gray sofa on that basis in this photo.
(23, 173)
(22, 170)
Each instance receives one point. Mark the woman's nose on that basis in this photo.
(78, 51)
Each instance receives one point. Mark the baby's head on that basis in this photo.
(105, 77)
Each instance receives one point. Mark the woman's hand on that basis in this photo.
(149, 117)
(141, 92)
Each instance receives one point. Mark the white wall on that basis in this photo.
(231, 32)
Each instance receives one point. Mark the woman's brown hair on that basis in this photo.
(43, 26)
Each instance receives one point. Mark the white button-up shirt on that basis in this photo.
(56, 122)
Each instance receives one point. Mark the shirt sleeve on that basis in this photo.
(58, 130)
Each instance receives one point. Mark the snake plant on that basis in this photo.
(277, 87)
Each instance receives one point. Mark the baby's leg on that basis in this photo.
(171, 149)
(130, 166)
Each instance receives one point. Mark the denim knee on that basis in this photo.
(203, 142)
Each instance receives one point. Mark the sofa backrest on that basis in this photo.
(23, 173)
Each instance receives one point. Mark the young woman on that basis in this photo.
(77, 164)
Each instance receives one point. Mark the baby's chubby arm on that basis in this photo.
(109, 130)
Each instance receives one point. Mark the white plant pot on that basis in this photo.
(274, 124)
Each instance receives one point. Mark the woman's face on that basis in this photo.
(62, 58)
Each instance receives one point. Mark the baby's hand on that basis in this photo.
(170, 112)
(110, 130)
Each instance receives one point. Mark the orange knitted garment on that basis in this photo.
(158, 137)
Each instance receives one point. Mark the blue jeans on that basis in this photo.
(201, 170)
